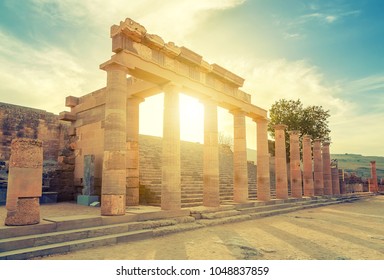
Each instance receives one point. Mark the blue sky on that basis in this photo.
(324, 52)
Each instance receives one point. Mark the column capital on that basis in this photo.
(112, 65)
(237, 112)
(280, 126)
(294, 132)
(306, 136)
(260, 120)
(373, 162)
(171, 87)
(135, 99)
(326, 143)
(317, 140)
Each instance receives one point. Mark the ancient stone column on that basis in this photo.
(263, 179)
(132, 163)
(342, 182)
(240, 178)
(211, 189)
(171, 181)
(335, 181)
(307, 166)
(374, 187)
(24, 182)
(318, 168)
(281, 163)
(327, 176)
(113, 190)
(295, 169)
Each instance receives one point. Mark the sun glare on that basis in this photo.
(191, 119)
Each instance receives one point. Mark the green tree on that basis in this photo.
(311, 120)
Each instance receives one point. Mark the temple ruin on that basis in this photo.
(106, 122)
(95, 153)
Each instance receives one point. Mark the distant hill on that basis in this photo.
(359, 164)
(349, 162)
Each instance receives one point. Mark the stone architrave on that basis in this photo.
(335, 181)
(132, 164)
(263, 177)
(307, 166)
(240, 178)
(24, 182)
(171, 178)
(281, 162)
(318, 168)
(211, 189)
(295, 169)
(327, 175)
(113, 190)
(374, 187)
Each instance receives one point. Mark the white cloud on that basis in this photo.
(173, 18)
(37, 77)
(42, 76)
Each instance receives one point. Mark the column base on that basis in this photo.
(132, 198)
(27, 213)
(112, 205)
(170, 200)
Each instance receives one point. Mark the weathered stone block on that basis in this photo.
(112, 205)
(27, 213)
(71, 101)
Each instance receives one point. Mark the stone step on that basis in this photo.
(86, 232)
(52, 242)
(34, 240)
(70, 246)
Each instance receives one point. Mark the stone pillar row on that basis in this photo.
(321, 181)
(120, 185)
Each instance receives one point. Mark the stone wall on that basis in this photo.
(23, 122)
(17, 121)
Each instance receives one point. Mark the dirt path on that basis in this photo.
(346, 231)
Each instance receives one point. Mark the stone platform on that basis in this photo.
(67, 227)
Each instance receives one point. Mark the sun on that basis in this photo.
(191, 119)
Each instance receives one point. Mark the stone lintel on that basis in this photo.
(153, 41)
(67, 116)
(223, 73)
(188, 56)
(171, 49)
(71, 101)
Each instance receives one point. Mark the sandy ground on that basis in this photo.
(351, 231)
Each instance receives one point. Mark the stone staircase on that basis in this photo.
(65, 234)
(191, 173)
(70, 233)
(252, 210)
